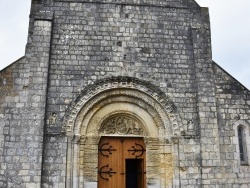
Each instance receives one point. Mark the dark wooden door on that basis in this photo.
(121, 163)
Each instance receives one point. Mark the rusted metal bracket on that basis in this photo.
(109, 172)
(109, 149)
(141, 150)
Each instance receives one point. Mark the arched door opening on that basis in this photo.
(117, 131)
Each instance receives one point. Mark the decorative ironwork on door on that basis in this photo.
(137, 148)
(104, 150)
(106, 170)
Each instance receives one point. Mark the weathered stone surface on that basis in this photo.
(90, 60)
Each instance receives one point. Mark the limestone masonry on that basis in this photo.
(126, 69)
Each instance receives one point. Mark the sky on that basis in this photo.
(230, 28)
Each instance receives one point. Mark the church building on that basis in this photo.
(122, 94)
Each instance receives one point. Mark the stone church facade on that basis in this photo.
(106, 86)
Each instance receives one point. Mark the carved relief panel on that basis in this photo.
(122, 125)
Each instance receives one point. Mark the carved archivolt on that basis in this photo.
(122, 125)
(149, 91)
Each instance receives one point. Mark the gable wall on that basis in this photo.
(73, 44)
(14, 82)
(94, 41)
(233, 102)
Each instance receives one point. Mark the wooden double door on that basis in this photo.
(121, 163)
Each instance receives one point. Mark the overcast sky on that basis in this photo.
(230, 24)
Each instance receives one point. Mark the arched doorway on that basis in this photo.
(121, 109)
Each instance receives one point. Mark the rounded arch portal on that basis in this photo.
(119, 107)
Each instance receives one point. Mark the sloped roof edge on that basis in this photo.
(19, 59)
(244, 87)
(194, 1)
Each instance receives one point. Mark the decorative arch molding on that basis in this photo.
(242, 123)
(122, 101)
(126, 87)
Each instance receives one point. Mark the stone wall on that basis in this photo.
(77, 46)
(24, 89)
(13, 88)
(93, 41)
